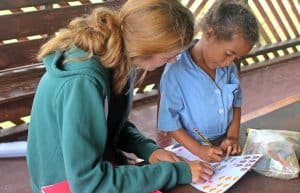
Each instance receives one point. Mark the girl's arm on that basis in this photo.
(231, 143)
(234, 128)
(209, 154)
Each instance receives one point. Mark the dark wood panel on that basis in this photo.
(279, 20)
(264, 34)
(288, 17)
(267, 19)
(16, 109)
(45, 21)
(19, 83)
(275, 47)
(14, 134)
(295, 9)
(266, 63)
(200, 7)
(19, 70)
(19, 54)
(13, 4)
(141, 99)
(190, 3)
(152, 77)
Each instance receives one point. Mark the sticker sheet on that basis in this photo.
(226, 172)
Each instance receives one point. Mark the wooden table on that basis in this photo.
(15, 178)
(285, 118)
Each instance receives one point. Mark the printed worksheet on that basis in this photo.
(226, 172)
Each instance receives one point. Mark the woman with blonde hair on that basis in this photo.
(73, 135)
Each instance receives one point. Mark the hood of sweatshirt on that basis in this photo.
(76, 62)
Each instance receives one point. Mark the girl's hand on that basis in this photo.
(160, 155)
(211, 154)
(231, 146)
(201, 172)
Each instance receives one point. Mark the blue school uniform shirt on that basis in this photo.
(191, 99)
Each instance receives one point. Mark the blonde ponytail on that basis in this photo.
(98, 34)
(141, 28)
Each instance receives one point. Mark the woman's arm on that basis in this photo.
(132, 141)
(84, 140)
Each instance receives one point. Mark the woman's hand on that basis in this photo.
(160, 155)
(231, 146)
(201, 172)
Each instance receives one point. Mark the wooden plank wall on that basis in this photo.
(26, 25)
(21, 42)
(279, 22)
(279, 35)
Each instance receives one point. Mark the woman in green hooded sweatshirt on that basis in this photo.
(79, 121)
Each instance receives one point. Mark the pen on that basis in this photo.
(203, 137)
(227, 154)
(226, 157)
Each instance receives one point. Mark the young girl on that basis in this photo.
(72, 135)
(202, 89)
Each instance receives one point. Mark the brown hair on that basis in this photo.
(230, 17)
(141, 28)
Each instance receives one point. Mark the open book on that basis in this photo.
(226, 172)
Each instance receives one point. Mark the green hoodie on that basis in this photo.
(71, 138)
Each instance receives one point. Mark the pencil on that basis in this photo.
(203, 137)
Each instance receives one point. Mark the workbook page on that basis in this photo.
(226, 172)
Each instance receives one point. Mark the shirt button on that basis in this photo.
(221, 111)
(217, 91)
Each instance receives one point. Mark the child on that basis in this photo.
(202, 90)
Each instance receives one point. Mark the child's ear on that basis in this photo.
(209, 33)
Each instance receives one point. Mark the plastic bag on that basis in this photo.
(280, 149)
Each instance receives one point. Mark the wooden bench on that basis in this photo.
(19, 70)
(264, 51)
